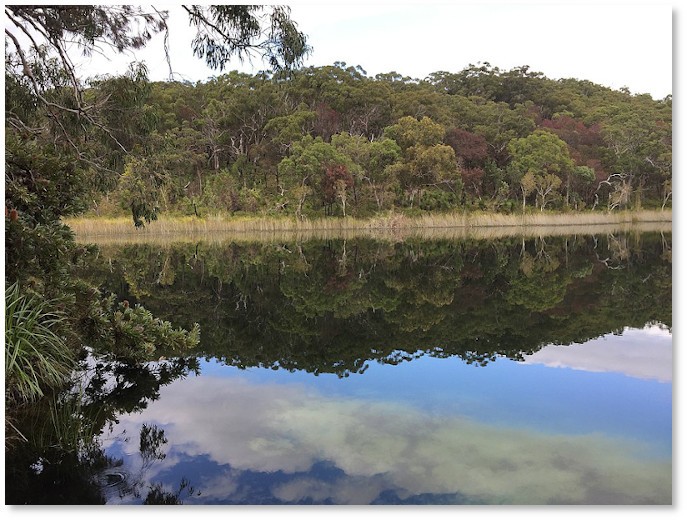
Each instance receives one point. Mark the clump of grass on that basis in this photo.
(36, 356)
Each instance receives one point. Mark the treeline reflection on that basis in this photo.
(332, 306)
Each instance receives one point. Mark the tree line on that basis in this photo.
(333, 141)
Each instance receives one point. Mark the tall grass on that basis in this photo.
(36, 357)
(394, 226)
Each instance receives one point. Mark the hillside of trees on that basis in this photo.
(334, 141)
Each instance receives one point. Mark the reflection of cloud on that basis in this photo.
(351, 490)
(381, 446)
(643, 353)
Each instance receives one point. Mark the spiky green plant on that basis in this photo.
(36, 356)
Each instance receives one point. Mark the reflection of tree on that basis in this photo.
(330, 306)
(127, 387)
(62, 456)
(152, 437)
(61, 475)
(157, 496)
(539, 285)
(133, 481)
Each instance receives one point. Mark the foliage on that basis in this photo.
(330, 306)
(61, 455)
(68, 142)
(543, 159)
(409, 132)
(272, 138)
(336, 182)
(306, 167)
(160, 146)
(228, 30)
(134, 333)
(42, 182)
(139, 190)
(36, 354)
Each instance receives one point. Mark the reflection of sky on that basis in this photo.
(646, 353)
(525, 395)
(430, 429)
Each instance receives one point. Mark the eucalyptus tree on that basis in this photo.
(640, 138)
(498, 123)
(471, 152)
(427, 162)
(543, 160)
(371, 164)
(306, 169)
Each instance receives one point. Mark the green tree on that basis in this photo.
(287, 129)
(225, 31)
(427, 163)
(546, 157)
(305, 167)
(370, 163)
(383, 155)
(411, 132)
(42, 74)
(528, 184)
(499, 124)
(640, 139)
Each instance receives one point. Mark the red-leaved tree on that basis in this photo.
(336, 182)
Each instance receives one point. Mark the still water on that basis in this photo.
(510, 371)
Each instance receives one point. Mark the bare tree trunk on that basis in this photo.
(374, 191)
(523, 199)
(665, 199)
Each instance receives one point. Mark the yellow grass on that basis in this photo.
(455, 225)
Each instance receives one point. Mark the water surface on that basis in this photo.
(509, 371)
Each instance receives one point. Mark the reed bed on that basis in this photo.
(455, 225)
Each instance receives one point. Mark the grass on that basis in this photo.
(452, 225)
(36, 357)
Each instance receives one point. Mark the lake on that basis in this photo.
(510, 370)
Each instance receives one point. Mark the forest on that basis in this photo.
(333, 141)
(330, 140)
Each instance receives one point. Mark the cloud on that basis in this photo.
(379, 446)
(642, 353)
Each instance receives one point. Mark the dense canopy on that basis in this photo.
(480, 138)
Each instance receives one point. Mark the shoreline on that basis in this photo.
(395, 226)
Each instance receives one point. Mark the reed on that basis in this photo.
(397, 226)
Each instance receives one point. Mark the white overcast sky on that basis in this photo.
(616, 44)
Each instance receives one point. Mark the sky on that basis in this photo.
(615, 44)
(643, 353)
